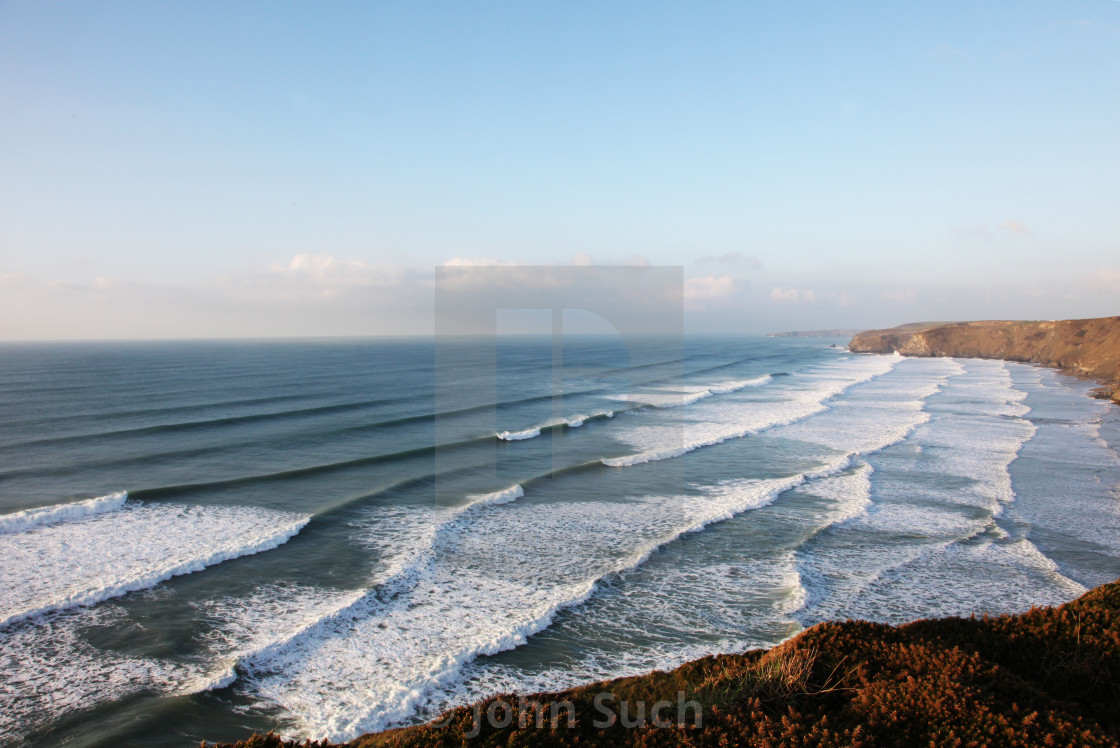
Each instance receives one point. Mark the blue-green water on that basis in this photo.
(203, 540)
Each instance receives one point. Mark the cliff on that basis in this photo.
(1050, 676)
(1086, 347)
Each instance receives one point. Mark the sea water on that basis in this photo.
(203, 540)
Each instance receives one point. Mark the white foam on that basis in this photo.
(849, 494)
(514, 436)
(678, 396)
(485, 590)
(244, 629)
(872, 565)
(504, 496)
(573, 422)
(669, 399)
(877, 413)
(681, 395)
(1003, 576)
(47, 669)
(730, 606)
(249, 631)
(47, 515)
(1066, 490)
(453, 583)
(735, 385)
(54, 567)
(633, 627)
(496, 577)
(805, 395)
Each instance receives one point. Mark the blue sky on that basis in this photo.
(213, 169)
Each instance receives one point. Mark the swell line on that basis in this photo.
(29, 519)
(104, 415)
(186, 426)
(664, 453)
(95, 553)
(350, 605)
(163, 492)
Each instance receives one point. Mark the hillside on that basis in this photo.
(1050, 676)
(1086, 347)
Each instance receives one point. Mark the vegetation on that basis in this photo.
(1050, 676)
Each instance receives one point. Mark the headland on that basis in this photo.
(1083, 347)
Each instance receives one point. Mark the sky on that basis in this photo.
(229, 169)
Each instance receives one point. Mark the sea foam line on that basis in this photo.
(572, 422)
(341, 717)
(846, 507)
(346, 717)
(79, 563)
(283, 656)
(289, 663)
(688, 397)
(265, 659)
(810, 408)
(47, 515)
(48, 671)
(349, 605)
(860, 582)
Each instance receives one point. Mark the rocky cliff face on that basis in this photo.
(1088, 347)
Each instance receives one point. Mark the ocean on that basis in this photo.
(201, 540)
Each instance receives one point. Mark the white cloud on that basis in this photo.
(319, 275)
(1009, 229)
(708, 287)
(793, 295)
(903, 297)
(1103, 280)
(698, 291)
(584, 260)
(1014, 229)
(479, 262)
(326, 270)
(731, 258)
(309, 264)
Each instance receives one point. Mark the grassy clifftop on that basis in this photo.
(1050, 676)
(1089, 347)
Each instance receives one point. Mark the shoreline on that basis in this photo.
(1088, 348)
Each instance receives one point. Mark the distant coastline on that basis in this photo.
(812, 334)
(1082, 347)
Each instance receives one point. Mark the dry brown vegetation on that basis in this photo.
(1050, 676)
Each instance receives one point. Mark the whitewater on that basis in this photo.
(205, 540)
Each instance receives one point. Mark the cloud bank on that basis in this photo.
(320, 294)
